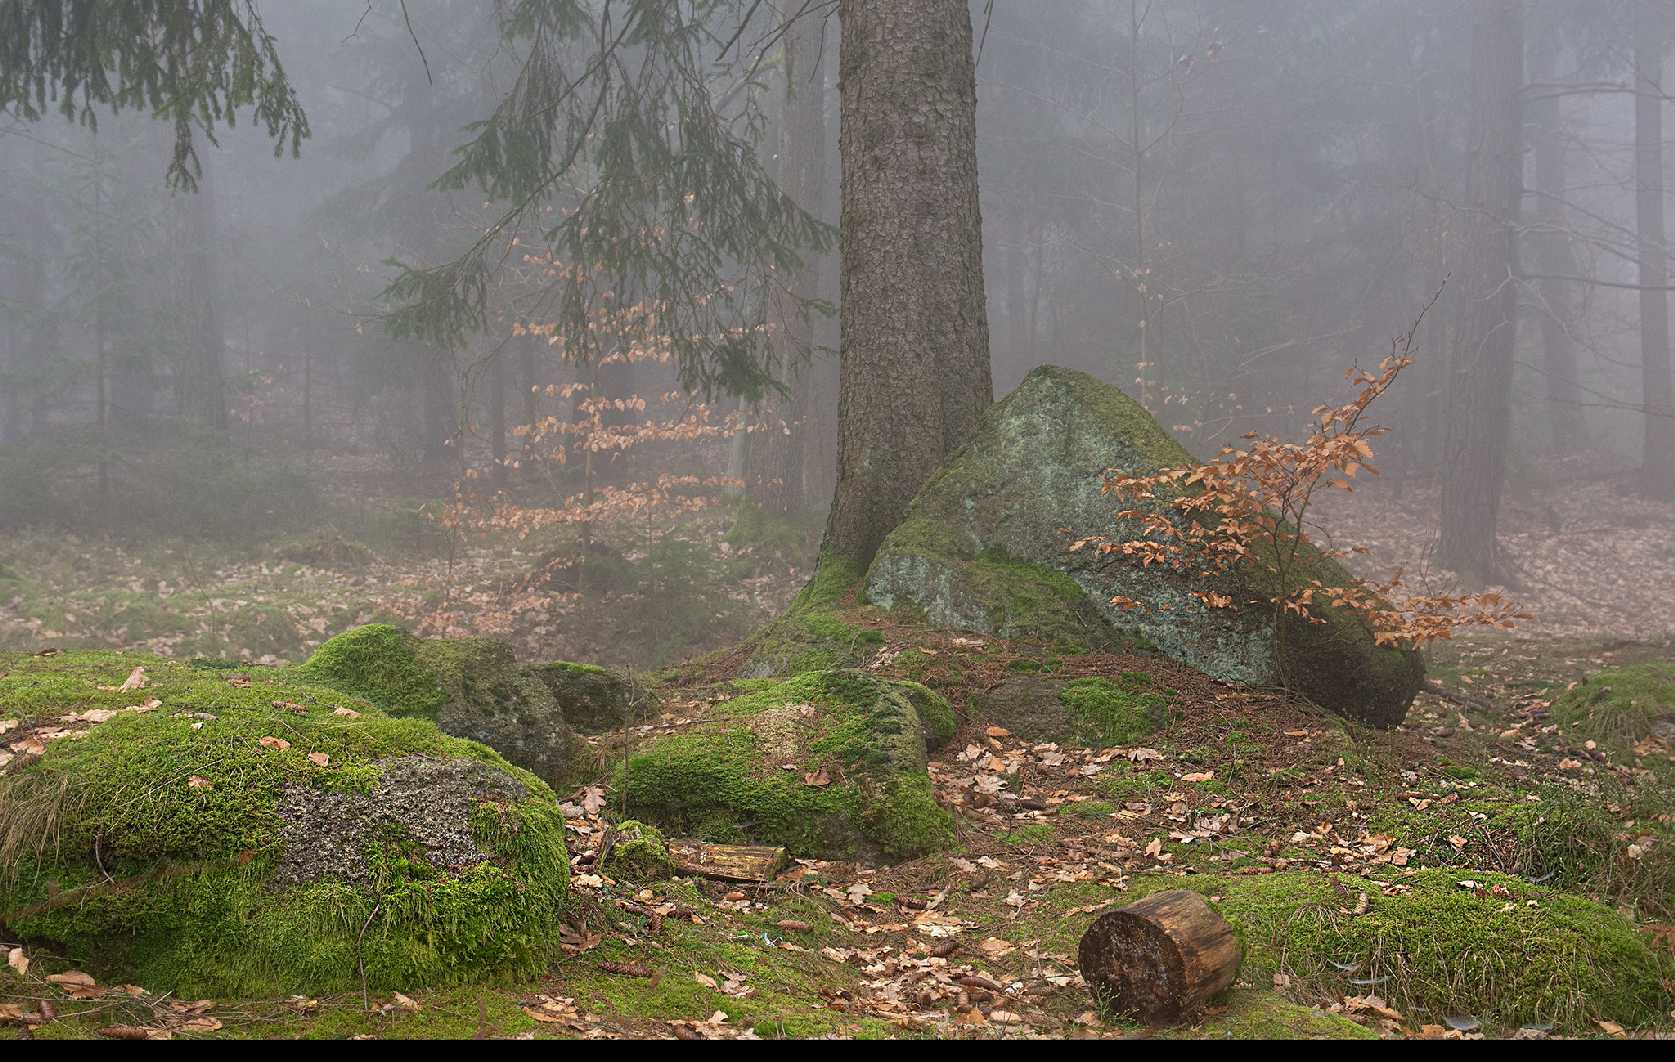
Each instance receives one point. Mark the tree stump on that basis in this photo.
(1159, 960)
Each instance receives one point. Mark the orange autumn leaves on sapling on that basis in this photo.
(1247, 508)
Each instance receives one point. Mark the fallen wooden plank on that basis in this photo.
(729, 862)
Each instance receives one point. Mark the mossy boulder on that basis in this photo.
(829, 764)
(1095, 711)
(470, 687)
(1620, 708)
(594, 699)
(217, 834)
(984, 548)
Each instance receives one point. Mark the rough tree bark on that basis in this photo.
(914, 376)
(1658, 454)
(1486, 301)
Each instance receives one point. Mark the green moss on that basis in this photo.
(1256, 1014)
(470, 687)
(1551, 836)
(223, 885)
(639, 853)
(1104, 712)
(1088, 809)
(936, 715)
(855, 747)
(1119, 784)
(814, 633)
(380, 663)
(1619, 708)
(1508, 953)
(1031, 836)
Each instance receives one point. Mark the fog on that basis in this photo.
(212, 444)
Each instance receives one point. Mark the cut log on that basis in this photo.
(1159, 960)
(729, 862)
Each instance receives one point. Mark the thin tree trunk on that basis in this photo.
(204, 390)
(497, 416)
(915, 375)
(1487, 301)
(1557, 257)
(1658, 454)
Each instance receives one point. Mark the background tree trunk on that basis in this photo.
(204, 390)
(1658, 454)
(914, 377)
(1486, 300)
(1555, 256)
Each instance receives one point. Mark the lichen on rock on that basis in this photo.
(985, 547)
(218, 833)
(471, 687)
(828, 764)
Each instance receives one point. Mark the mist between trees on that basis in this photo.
(563, 272)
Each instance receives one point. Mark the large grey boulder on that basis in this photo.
(985, 548)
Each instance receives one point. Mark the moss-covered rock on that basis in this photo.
(216, 833)
(594, 699)
(984, 548)
(638, 853)
(830, 764)
(1096, 712)
(1620, 708)
(471, 688)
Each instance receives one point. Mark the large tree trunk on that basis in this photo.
(915, 375)
(1486, 300)
(1658, 455)
(1556, 257)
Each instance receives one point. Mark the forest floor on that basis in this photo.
(979, 942)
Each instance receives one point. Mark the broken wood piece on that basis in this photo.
(1159, 960)
(728, 862)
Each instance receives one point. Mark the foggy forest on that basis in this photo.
(828, 519)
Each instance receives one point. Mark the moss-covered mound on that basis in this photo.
(1440, 943)
(1620, 708)
(471, 688)
(812, 634)
(984, 548)
(594, 699)
(830, 763)
(217, 833)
